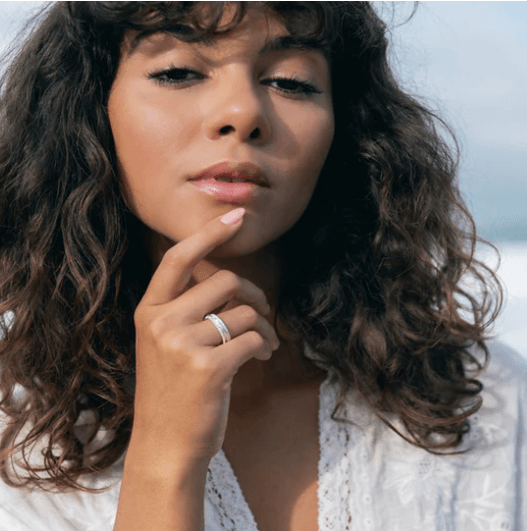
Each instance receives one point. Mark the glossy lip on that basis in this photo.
(235, 170)
(254, 181)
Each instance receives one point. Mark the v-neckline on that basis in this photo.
(236, 508)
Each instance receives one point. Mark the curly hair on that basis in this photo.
(374, 285)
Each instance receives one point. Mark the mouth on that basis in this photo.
(231, 182)
(230, 172)
(229, 179)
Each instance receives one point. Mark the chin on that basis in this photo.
(236, 249)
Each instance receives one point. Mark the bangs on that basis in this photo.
(311, 24)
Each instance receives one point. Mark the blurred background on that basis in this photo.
(467, 61)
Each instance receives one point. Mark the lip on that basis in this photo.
(254, 181)
(239, 170)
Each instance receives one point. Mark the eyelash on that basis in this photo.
(163, 77)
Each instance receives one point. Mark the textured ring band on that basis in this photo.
(220, 326)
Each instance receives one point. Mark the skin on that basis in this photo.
(230, 110)
(189, 386)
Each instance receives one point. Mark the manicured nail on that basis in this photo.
(232, 217)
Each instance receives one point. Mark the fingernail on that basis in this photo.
(232, 217)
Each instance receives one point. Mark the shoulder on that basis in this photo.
(499, 427)
(28, 509)
(505, 363)
(481, 488)
(504, 385)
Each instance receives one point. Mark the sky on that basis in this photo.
(467, 60)
(470, 60)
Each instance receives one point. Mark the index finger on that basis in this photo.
(175, 269)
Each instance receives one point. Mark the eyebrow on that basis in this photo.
(276, 44)
(288, 42)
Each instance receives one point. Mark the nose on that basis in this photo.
(238, 110)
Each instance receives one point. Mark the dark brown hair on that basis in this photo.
(372, 274)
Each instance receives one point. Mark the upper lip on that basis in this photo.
(234, 170)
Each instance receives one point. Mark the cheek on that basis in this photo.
(307, 165)
(148, 136)
(144, 136)
(316, 139)
(146, 124)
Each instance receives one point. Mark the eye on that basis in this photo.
(184, 75)
(292, 85)
(175, 76)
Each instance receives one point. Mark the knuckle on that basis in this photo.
(255, 340)
(262, 295)
(155, 326)
(230, 279)
(144, 317)
(139, 316)
(203, 363)
(248, 314)
(175, 258)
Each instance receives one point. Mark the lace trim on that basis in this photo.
(230, 508)
(224, 493)
(334, 467)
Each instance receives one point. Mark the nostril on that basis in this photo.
(226, 129)
(255, 133)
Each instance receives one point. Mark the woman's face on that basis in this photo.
(176, 109)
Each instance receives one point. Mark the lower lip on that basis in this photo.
(235, 192)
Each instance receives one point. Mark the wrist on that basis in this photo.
(150, 462)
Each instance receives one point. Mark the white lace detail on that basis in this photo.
(223, 491)
(371, 479)
(334, 467)
(229, 508)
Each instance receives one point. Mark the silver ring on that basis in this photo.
(221, 327)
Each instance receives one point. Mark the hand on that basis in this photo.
(183, 371)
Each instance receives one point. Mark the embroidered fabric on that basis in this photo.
(369, 477)
(226, 502)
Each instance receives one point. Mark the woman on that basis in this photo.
(232, 265)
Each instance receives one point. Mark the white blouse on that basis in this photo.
(369, 477)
